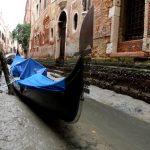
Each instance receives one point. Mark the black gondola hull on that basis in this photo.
(64, 105)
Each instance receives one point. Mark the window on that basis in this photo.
(40, 7)
(37, 10)
(75, 21)
(3, 37)
(34, 41)
(43, 38)
(134, 14)
(45, 1)
(86, 4)
(52, 33)
(38, 39)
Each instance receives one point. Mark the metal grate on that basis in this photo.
(135, 19)
(86, 4)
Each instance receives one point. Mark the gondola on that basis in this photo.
(63, 97)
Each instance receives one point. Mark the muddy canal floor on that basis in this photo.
(23, 129)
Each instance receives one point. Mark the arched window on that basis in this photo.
(52, 33)
(75, 21)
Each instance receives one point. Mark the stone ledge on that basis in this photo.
(130, 54)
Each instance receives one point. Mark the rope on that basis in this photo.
(5, 85)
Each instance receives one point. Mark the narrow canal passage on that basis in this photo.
(26, 128)
(100, 128)
(23, 129)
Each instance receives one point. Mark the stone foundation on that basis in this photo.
(124, 75)
(130, 81)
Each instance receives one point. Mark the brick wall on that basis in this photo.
(102, 26)
(42, 27)
(103, 31)
(130, 46)
(148, 26)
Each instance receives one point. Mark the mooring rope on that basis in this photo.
(2, 87)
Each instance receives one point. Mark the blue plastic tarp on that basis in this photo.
(34, 75)
(16, 68)
(32, 67)
(17, 60)
(24, 68)
(41, 82)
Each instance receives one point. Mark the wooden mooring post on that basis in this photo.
(5, 70)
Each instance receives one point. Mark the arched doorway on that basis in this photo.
(62, 34)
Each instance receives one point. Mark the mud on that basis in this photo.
(25, 127)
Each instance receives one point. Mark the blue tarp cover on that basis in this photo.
(41, 82)
(31, 67)
(24, 68)
(17, 60)
(34, 75)
(17, 66)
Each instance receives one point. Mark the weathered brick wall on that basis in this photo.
(27, 16)
(99, 47)
(102, 22)
(102, 29)
(72, 41)
(47, 46)
(102, 26)
(41, 46)
(130, 46)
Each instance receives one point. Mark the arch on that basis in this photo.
(62, 33)
(75, 21)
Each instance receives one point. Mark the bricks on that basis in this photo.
(107, 29)
(102, 21)
(130, 46)
(130, 54)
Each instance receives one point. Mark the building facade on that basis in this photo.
(28, 7)
(55, 28)
(121, 27)
(5, 36)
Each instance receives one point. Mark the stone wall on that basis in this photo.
(102, 27)
(126, 80)
(124, 75)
